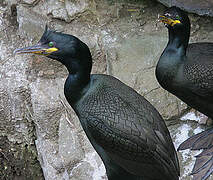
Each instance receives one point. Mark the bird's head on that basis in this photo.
(175, 18)
(59, 46)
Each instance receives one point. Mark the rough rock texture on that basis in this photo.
(201, 7)
(40, 135)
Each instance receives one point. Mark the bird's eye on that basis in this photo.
(51, 44)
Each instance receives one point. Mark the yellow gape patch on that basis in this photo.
(169, 21)
(50, 50)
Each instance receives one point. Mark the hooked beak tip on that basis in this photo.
(16, 52)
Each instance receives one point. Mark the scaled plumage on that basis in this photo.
(186, 70)
(124, 128)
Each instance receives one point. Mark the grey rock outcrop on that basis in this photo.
(40, 134)
(201, 7)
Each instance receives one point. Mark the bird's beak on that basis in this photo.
(168, 21)
(36, 49)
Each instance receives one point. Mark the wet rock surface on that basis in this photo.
(126, 41)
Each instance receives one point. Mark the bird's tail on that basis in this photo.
(203, 167)
(203, 140)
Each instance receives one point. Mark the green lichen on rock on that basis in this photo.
(18, 161)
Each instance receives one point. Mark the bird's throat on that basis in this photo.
(171, 60)
(178, 38)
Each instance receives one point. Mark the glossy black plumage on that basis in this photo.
(124, 128)
(186, 70)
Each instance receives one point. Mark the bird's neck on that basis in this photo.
(77, 81)
(175, 50)
(173, 56)
(178, 39)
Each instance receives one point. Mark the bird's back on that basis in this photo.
(128, 128)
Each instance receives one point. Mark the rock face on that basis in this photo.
(201, 7)
(41, 137)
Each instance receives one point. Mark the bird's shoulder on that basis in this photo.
(198, 69)
(201, 48)
(109, 92)
(200, 54)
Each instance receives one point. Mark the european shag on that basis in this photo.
(124, 128)
(186, 70)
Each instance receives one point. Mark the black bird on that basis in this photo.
(124, 128)
(186, 70)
